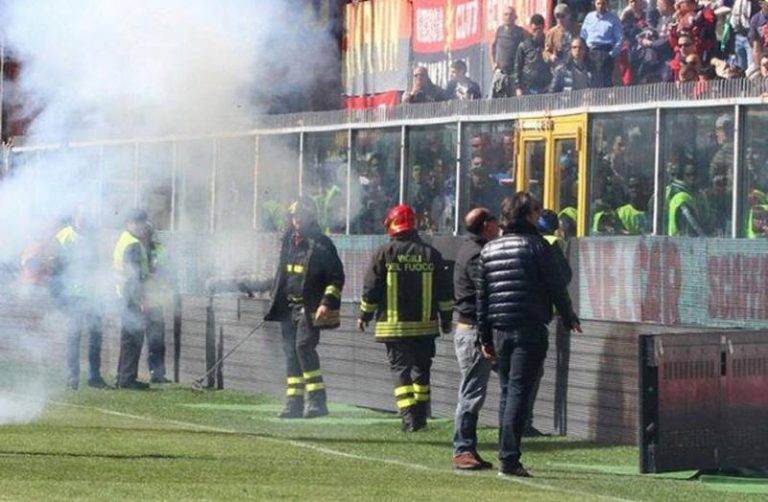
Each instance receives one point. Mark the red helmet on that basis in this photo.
(400, 219)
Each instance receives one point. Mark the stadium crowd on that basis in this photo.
(687, 41)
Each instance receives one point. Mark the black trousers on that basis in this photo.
(155, 335)
(520, 355)
(302, 363)
(602, 63)
(410, 361)
(132, 329)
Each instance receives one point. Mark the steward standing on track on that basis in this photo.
(407, 287)
(72, 287)
(306, 297)
(131, 263)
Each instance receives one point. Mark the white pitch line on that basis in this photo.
(337, 453)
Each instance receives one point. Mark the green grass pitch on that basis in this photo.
(175, 444)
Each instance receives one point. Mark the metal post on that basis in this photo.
(214, 155)
(737, 188)
(210, 343)
(102, 175)
(403, 162)
(301, 163)
(176, 335)
(457, 212)
(2, 86)
(658, 179)
(219, 359)
(136, 175)
(255, 221)
(350, 146)
(174, 181)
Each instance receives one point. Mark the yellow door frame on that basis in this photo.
(549, 130)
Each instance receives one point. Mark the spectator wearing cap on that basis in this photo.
(758, 33)
(558, 39)
(423, 90)
(603, 33)
(576, 72)
(533, 73)
(503, 52)
(461, 87)
(131, 263)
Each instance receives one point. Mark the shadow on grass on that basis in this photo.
(147, 456)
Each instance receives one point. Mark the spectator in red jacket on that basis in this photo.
(699, 22)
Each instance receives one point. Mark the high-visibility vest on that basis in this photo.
(635, 221)
(118, 259)
(675, 203)
(570, 212)
(67, 238)
(552, 239)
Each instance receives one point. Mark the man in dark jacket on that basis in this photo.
(407, 288)
(576, 72)
(520, 271)
(475, 369)
(306, 297)
(533, 73)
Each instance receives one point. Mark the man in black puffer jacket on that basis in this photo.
(520, 279)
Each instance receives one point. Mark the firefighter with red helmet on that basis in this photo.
(306, 297)
(407, 289)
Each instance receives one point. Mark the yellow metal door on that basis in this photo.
(552, 161)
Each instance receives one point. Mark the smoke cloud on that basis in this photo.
(110, 69)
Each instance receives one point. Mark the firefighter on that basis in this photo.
(71, 286)
(407, 287)
(306, 298)
(131, 263)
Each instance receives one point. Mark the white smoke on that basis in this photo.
(98, 69)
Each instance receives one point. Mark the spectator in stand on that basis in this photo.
(603, 34)
(558, 39)
(461, 87)
(484, 189)
(699, 22)
(644, 58)
(533, 73)
(758, 33)
(503, 52)
(423, 90)
(576, 73)
(742, 12)
(684, 48)
(633, 22)
(761, 77)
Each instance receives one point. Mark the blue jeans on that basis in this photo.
(475, 371)
(81, 317)
(520, 355)
(743, 51)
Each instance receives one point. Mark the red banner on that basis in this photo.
(446, 25)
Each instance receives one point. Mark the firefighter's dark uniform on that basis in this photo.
(159, 295)
(309, 274)
(407, 287)
(131, 264)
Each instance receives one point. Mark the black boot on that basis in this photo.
(409, 419)
(294, 407)
(420, 412)
(316, 405)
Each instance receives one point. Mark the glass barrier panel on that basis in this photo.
(487, 165)
(155, 182)
(698, 172)
(375, 183)
(277, 180)
(754, 165)
(194, 168)
(324, 178)
(234, 184)
(119, 188)
(567, 166)
(621, 174)
(535, 152)
(430, 179)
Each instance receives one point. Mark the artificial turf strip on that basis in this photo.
(176, 444)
